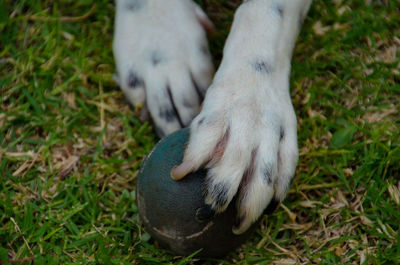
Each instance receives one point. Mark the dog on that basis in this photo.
(246, 131)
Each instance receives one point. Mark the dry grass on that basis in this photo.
(70, 147)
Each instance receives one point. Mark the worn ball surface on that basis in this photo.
(167, 208)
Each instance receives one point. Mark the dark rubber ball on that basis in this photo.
(167, 208)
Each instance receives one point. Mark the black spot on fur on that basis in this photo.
(135, 5)
(221, 197)
(134, 80)
(282, 134)
(268, 174)
(279, 9)
(199, 91)
(187, 104)
(262, 66)
(174, 108)
(167, 114)
(219, 194)
(204, 213)
(156, 58)
(272, 206)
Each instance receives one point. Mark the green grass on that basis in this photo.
(70, 146)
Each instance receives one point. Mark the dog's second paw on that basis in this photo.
(162, 59)
(246, 136)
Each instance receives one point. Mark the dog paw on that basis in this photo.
(246, 136)
(163, 63)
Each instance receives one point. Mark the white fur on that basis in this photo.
(254, 106)
(248, 103)
(171, 30)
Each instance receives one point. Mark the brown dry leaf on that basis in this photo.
(285, 261)
(20, 155)
(348, 172)
(353, 243)
(67, 36)
(66, 166)
(301, 227)
(388, 55)
(304, 150)
(339, 251)
(368, 71)
(379, 115)
(70, 99)
(25, 166)
(319, 29)
(340, 197)
(326, 212)
(366, 221)
(313, 113)
(362, 256)
(338, 205)
(386, 229)
(292, 216)
(310, 204)
(306, 99)
(343, 9)
(338, 26)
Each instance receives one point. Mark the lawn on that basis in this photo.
(70, 146)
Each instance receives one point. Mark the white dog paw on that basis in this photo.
(162, 59)
(247, 138)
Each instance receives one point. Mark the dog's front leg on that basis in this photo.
(246, 132)
(162, 59)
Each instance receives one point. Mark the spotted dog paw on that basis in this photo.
(246, 137)
(162, 59)
(246, 133)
